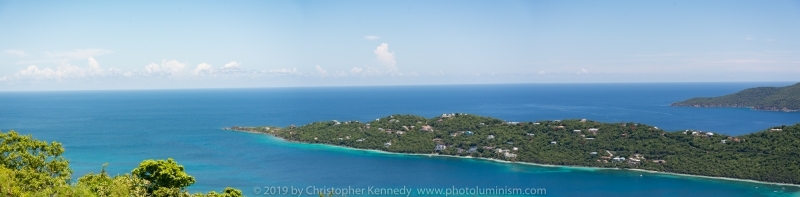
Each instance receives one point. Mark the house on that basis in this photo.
(512, 123)
(576, 131)
(459, 151)
(448, 115)
(593, 153)
(775, 129)
(340, 139)
(509, 155)
(472, 149)
(482, 124)
(490, 137)
(589, 138)
(427, 128)
(583, 120)
(723, 141)
(336, 122)
(593, 130)
(367, 125)
(634, 161)
(488, 148)
(515, 149)
(553, 142)
(530, 134)
(619, 159)
(400, 132)
(468, 133)
(387, 144)
(440, 147)
(709, 134)
(560, 127)
(536, 123)
(360, 140)
(659, 161)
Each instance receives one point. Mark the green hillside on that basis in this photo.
(769, 155)
(760, 98)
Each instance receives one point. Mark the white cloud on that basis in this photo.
(203, 68)
(172, 68)
(77, 54)
(385, 57)
(65, 71)
(356, 70)
(93, 63)
(748, 38)
(18, 53)
(284, 71)
(321, 71)
(372, 37)
(541, 72)
(231, 66)
(583, 71)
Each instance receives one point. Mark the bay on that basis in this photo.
(122, 128)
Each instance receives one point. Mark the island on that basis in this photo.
(761, 98)
(772, 155)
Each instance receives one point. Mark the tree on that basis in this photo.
(36, 164)
(163, 174)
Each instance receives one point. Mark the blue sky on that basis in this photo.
(60, 45)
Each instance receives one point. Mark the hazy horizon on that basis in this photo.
(96, 45)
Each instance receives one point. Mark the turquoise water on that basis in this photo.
(123, 128)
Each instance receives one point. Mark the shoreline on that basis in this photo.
(589, 168)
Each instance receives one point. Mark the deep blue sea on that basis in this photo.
(122, 128)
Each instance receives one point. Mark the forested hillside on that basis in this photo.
(770, 155)
(760, 98)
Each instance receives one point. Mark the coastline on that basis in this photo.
(585, 168)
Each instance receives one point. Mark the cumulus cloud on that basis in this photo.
(231, 66)
(321, 71)
(65, 71)
(166, 68)
(93, 63)
(18, 53)
(385, 57)
(203, 68)
(283, 71)
(356, 70)
(372, 37)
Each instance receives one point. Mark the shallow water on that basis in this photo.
(123, 128)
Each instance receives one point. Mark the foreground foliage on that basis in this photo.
(29, 167)
(760, 98)
(772, 155)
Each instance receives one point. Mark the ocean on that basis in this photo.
(124, 127)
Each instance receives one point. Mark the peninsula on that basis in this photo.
(761, 98)
(771, 155)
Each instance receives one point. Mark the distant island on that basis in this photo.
(770, 155)
(761, 98)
